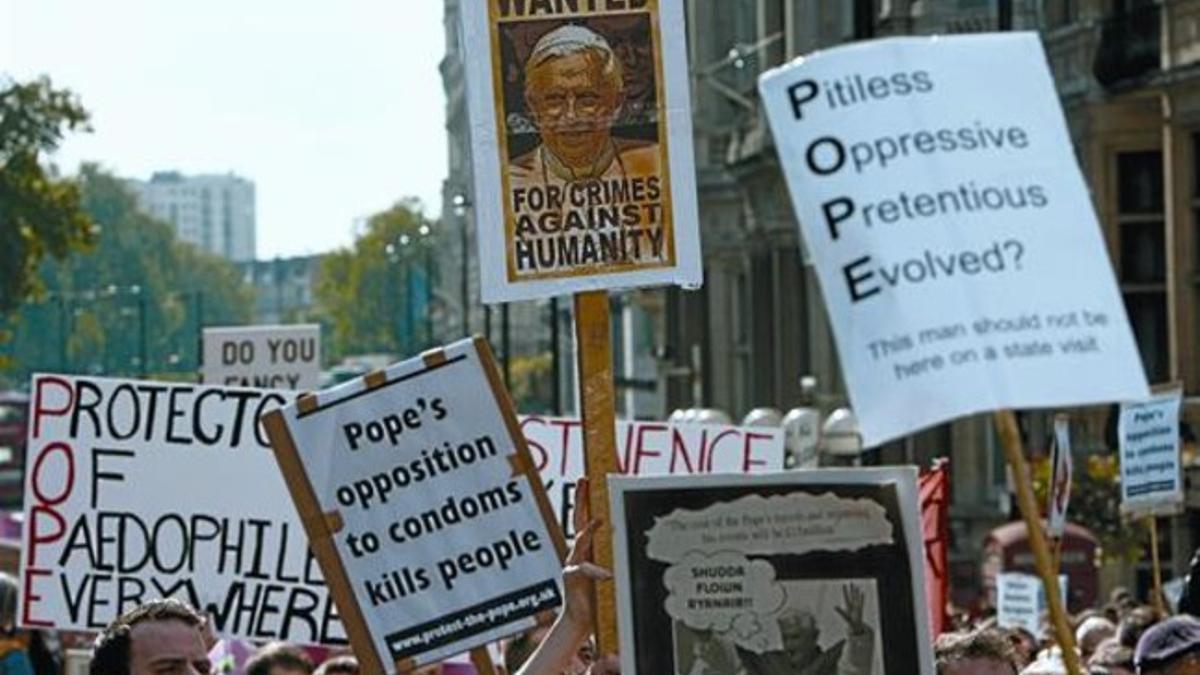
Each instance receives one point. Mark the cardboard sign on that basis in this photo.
(141, 490)
(266, 357)
(1021, 600)
(645, 449)
(1151, 470)
(1061, 477)
(423, 507)
(581, 141)
(754, 573)
(955, 240)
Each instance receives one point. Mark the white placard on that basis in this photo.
(1021, 600)
(738, 573)
(648, 449)
(581, 142)
(142, 490)
(422, 506)
(956, 244)
(1151, 472)
(1061, 477)
(264, 357)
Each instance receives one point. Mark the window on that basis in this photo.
(1143, 255)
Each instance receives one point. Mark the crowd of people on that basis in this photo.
(1123, 638)
(167, 637)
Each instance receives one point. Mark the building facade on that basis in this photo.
(214, 212)
(284, 288)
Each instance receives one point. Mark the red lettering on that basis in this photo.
(623, 463)
(747, 462)
(642, 450)
(39, 402)
(566, 426)
(36, 537)
(68, 484)
(28, 597)
(679, 449)
(541, 457)
(712, 448)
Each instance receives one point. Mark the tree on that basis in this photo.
(40, 215)
(369, 294)
(139, 290)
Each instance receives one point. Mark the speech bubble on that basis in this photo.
(792, 524)
(728, 594)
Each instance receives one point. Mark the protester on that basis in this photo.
(157, 637)
(338, 665)
(573, 627)
(279, 658)
(1111, 658)
(1134, 624)
(1171, 647)
(1091, 632)
(14, 650)
(980, 652)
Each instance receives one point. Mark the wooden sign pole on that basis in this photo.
(593, 348)
(1152, 523)
(1010, 437)
(482, 660)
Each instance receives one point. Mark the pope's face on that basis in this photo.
(574, 105)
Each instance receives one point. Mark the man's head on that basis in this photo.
(982, 652)
(1170, 648)
(338, 665)
(1091, 632)
(800, 635)
(161, 637)
(574, 86)
(279, 658)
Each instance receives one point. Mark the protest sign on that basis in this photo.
(423, 507)
(581, 144)
(141, 490)
(266, 357)
(754, 573)
(958, 250)
(1021, 600)
(647, 449)
(1151, 471)
(1061, 476)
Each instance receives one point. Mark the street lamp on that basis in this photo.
(461, 204)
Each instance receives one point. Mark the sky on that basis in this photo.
(334, 109)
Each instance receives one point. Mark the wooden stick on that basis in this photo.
(1010, 437)
(481, 658)
(593, 345)
(1152, 523)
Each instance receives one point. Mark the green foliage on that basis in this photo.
(361, 291)
(91, 318)
(40, 215)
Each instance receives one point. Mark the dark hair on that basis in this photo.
(279, 654)
(992, 645)
(1130, 630)
(110, 652)
(338, 665)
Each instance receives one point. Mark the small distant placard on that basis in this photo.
(1151, 471)
(423, 507)
(1021, 599)
(263, 357)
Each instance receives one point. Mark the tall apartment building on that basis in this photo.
(215, 212)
